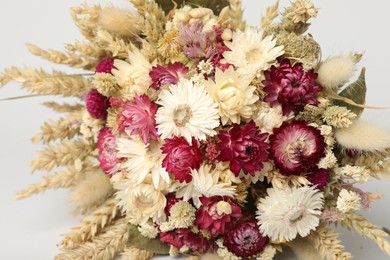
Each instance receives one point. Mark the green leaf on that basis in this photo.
(355, 92)
(215, 5)
(137, 240)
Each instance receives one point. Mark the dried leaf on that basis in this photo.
(152, 245)
(215, 5)
(355, 92)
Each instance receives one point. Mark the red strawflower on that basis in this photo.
(105, 66)
(216, 212)
(96, 104)
(319, 177)
(185, 237)
(245, 239)
(139, 118)
(296, 147)
(291, 87)
(106, 145)
(167, 74)
(171, 200)
(245, 148)
(181, 157)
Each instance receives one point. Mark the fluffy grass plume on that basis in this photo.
(121, 22)
(363, 136)
(91, 191)
(336, 71)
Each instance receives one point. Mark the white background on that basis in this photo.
(30, 229)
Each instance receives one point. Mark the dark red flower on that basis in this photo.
(245, 239)
(245, 148)
(291, 87)
(185, 237)
(96, 104)
(105, 66)
(296, 147)
(181, 157)
(106, 145)
(171, 200)
(319, 177)
(216, 213)
(139, 118)
(167, 74)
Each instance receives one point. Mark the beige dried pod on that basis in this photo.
(91, 191)
(122, 22)
(334, 72)
(363, 136)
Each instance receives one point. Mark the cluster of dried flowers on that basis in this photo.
(199, 134)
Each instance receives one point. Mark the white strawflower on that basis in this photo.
(250, 52)
(234, 94)
(329, 161)
(268, 118)
(348, 200)
(140, 202)
(186, 110)
(143, 161)
(205, 67)
(204, 183)
(133, 77)
(284, 214)
(182, 216)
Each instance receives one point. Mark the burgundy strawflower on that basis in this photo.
(185, 237)
(171, 200)
(211, 150)
(296, 147)
(181, 157)
(291, 87)
(96, 104)
(319, 177)
(105, 66)
(140, 118)
(245, 148)
(167, 74)
(107, 151)
(216, 212)
(245, 239)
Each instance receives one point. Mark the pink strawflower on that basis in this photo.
(106, 145)
(219, 47)
(140, 118)
(171, 200)
(105, 66)
(181, 157)
(167, 74)
(96, 104)
(291, 87)
(185, 237)
(244, 147)
(216, 212)
(331, 215)
(319, 177)
(245, 239)
(296, 147)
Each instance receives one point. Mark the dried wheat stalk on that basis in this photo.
(61, 179)
(102, 247)
(365, 228)
(328, 245)
(61, 155)
(118, 47)
(270, 14)
(91, 225)
(236, 14)
(86, 19)
(132, 253)
(63, 108)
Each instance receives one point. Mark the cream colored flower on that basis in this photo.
(267, 254)
(205, 67)
(250, 52)
(338, 117)
(301, 11)
(268, 118)
(358, 173)
(329, 161)
(182, 216)
(148, 230)
(90, 126)
(204, 183)
(348, 200)
(186, 110)
(133, 77)
(189, 15)
(140, 202)
(284, 214)
(234, 94)
(143, 161)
